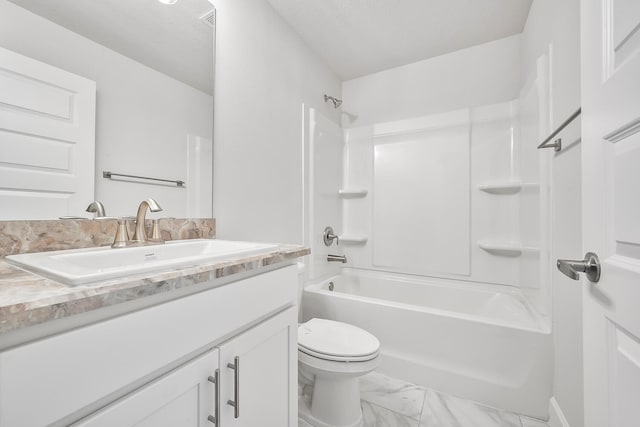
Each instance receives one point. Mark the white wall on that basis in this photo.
(143, 117)
(264, 75)
(557, 25)
(480, 75)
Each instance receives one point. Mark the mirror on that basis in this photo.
(152, 64)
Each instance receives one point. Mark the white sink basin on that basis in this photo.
(80, 266)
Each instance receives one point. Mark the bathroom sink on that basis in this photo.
(80, 266)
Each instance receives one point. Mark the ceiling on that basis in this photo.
(354, 37)
(168, 38)
(359, 37)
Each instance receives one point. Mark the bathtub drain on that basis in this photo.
(330, 286)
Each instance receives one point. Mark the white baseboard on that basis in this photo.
(556, 417)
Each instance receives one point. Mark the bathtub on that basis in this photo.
(480, 342)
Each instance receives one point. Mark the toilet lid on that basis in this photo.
(331, 338)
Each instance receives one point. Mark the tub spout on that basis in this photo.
(337, 258)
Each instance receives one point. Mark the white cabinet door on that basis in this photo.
(47, 139)
(184, 398)
(611, 210)
(258, 371)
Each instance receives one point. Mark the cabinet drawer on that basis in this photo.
(49, 379)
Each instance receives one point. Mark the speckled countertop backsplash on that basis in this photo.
(17, 237)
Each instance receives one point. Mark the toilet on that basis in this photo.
(331, 357)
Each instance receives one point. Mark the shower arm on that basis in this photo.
(336, 102)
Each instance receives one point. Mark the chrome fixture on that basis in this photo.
(140, 235)
(97, 208)
(336, 102)
(557, 144)
(331, 286)
(155, 236)
(110, 175)
(590, 265)
(329, 236)
(337, 258)
(122, 235)
(216, 403)
(235, 403)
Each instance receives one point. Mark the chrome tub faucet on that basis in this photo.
(337, 258)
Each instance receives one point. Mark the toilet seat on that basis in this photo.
(332, 358)
(336, 341)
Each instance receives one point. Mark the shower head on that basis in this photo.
(336, 102)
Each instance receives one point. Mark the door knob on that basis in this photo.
(590, 265)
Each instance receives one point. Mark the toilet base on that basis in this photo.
(304, 414)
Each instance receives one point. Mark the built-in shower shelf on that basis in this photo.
(505, 187)
(355, 239)
(352, 193)
(505, 248)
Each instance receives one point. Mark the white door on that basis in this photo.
(47, 139)
(611, 210)
(184, 398)
(258, 374)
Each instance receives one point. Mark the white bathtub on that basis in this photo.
(480, 342)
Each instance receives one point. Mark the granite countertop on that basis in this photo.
(27, 299)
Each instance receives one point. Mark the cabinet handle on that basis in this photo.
(216, 402)
(236, 384)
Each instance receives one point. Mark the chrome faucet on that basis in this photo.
(97, 208)
(337, 258)
(140, 234)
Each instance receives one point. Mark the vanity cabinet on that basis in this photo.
(253, 374)
(152, 366)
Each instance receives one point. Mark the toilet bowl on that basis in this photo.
(331, 357)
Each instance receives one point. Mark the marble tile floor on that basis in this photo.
(388, 402)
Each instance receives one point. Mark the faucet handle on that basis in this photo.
(155, 232)
(122, 235)
(328, 236)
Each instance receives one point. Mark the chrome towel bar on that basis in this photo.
(557, 144)
(110, 175)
